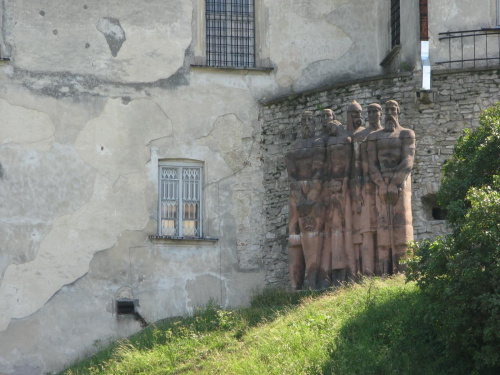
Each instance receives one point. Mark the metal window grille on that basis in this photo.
(395, 23)
(230, 33)
(180, 201)
(472, 48)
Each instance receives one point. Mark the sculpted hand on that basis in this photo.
(382, 192)
(392, 194)
(361, 197)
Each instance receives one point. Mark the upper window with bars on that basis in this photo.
(230, 33)
(180, 200)
(395, 23)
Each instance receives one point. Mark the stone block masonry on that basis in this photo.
(437, 118)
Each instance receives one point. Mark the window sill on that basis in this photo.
(234, 68)
(392, 54)
(184, 240)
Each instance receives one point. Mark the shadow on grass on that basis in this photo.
(391, 337)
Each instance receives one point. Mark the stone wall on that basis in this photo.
(438, 118)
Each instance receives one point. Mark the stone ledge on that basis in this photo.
(184, 240)
(231, 69)
(445, 71)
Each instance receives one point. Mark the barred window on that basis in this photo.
(395, 23)
(180, 200)
(230, 33)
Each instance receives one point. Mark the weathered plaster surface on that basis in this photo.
(115, 144)
(36, 188)
(306, 29)
(55, 36)
(316, 43)
(230, 137)
(32, 129)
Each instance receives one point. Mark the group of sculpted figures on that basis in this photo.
(350, 196)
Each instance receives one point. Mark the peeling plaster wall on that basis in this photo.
(334, 34)
(95, 94)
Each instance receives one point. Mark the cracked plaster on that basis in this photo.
(306, 27)
(37, 188)
(154, 49)
(115, 144)
(32, 129)
(229, 137)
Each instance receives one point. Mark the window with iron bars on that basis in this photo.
(180, 200)
(230, 33)
(395, 23)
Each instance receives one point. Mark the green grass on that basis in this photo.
(375, 327)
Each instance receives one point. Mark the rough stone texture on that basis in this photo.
(436, 118)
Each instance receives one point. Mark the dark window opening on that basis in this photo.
(432, 209)
(230, 33)
(395, 24)
(438, 213)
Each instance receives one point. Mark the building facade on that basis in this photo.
(140, 147)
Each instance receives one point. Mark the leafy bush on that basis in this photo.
(475, 162)
(460, 274)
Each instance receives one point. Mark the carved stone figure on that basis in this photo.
(305, 164)
(367, 197)
(350, 197)
(334, 261)
(354, 240)
(390, 159)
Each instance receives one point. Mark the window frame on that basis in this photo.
(498, 14)
(180, 165)
(223, 47)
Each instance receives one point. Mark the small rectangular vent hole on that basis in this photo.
(125, 306)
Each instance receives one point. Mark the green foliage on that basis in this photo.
(475, 160)
(460, 274)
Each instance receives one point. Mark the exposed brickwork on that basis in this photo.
(456, 100)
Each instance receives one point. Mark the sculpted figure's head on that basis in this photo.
(354, 120)
(392, 112)
(307, 125)
(374, 116)
(335, 186)
(327, 117)
(392, 108)
(390, 123)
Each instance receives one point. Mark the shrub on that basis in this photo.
(460, 274)
(474, 163)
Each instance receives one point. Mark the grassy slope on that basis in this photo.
(376, 327)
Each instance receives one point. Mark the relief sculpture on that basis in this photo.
(350, 196)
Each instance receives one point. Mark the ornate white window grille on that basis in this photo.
(180, 200)
(230, 33)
